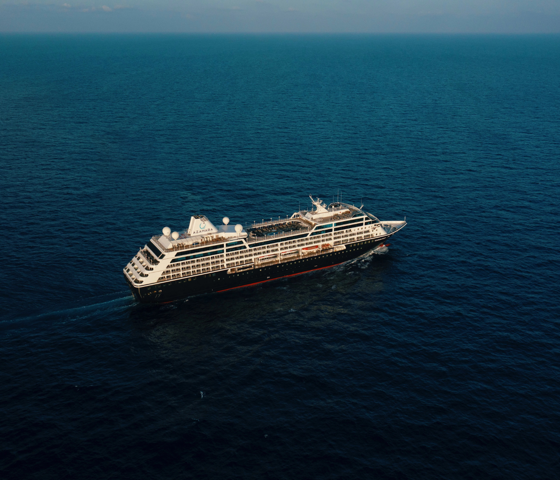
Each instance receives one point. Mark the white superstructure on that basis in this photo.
(204, 248)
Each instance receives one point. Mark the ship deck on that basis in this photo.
(271, 229)
(274, 228)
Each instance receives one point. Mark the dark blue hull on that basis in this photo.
(220, 281)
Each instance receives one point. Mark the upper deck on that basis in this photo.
(257, 232)
(303, 221)
(275, 227)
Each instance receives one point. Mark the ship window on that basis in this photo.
(345, 227)
(155, 250)
(204, 249)
(197, 256)
(355, 221)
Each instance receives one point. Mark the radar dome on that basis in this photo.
(166, 231)
(175, 235)
(239, 228)
(225, 220)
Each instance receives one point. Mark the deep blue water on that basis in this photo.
(437, 360)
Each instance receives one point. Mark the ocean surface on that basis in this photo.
(440, 359)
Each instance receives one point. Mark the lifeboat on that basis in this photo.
(309, 249)
(242, 268)
(268, 258)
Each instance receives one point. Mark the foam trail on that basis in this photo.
(77, 310)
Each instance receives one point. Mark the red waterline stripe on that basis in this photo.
(276, 278)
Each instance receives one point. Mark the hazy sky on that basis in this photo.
(372, 16)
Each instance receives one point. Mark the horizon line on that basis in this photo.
(498, 34)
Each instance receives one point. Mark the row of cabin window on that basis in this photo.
(275, 249)
(198, 268)
(237, 256)
(196, 264)
(258, 249)
(351, 233)
(199, 255)
(199, 251)
(354, 220)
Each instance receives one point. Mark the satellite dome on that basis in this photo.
(175, 235)
(239, 228)
(225, 220)
(166, 231)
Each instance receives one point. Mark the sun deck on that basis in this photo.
(275, 227)
(335, 215)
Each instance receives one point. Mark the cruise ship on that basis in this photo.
(206, 259)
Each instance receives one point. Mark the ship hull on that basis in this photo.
(221, 280)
